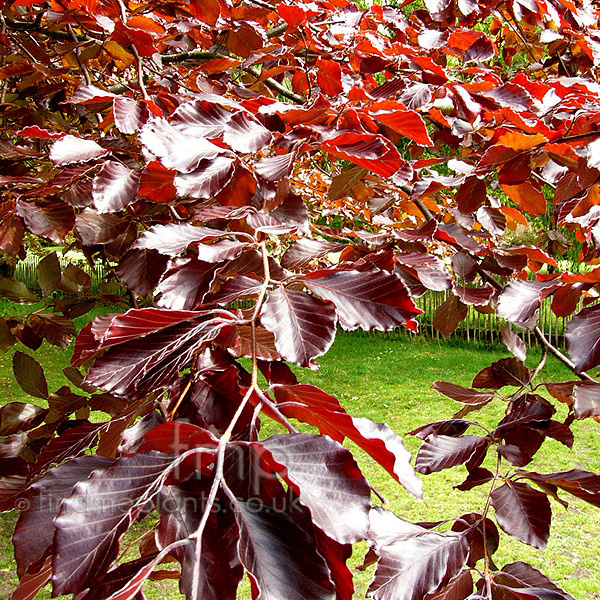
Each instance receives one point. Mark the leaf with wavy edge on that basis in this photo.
(304, 326)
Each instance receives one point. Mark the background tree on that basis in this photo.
(325, 164)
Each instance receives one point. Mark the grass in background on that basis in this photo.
(388, 379)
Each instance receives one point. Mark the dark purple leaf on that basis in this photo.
(279, 557)
(207, 180)
(532, 577)
(583, 484)
(523, 513)
(52, 219)
(304, 326)
(327, 480)
(477, 476)
(275, 168)
(217, 569)
(175, 238)
(586, 400)
(48, 272)
(185, 283)
(477, 296)
(451, 427)
(234, 289)
(86, 542)
(464, 266)
(471, 195)
(429, 269)
(514, 343)
(458, 588)
(413, 561)
(16, 291)
(449, 315)
(367, 299)
(442, 451)
(302, 251)
(35, 529)
(115, 187)
(520, 301)
(93, 228)
(19, 416)
(582, 337)
(30, 375)
(506, 371)
(465, 395)
(141, 270)
(482, 535)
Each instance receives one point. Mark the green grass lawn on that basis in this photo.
(388, 378)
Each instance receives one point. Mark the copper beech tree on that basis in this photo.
(254, 175)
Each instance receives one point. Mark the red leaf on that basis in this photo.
(114, 187)
(329, 76)
(156, 183)
(407, 123)
(11, 235)
(304, 326)
(523, 513)
(141, 270)
(430, 270)
(373, 152)
(33, 131)
(528, 198)
(207, 11)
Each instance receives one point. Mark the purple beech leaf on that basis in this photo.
(275, 168)
(52, 219)
(312, 405)
(71, 149)
(451, 427)
(141, 270)
(580, 483)
(477, 476)
(458, 588)
(429, 269)
(207, 180)
(265, 344)
(175, 238)
(86, 542)
(477, 296)
(520, 301)
(219, 570)
(235, 288)
(34, 531)
(90, 94)
(464, 266)
(94, 228)
(140, 366)
(30, 375)
(174, 149)
(201, 118)
(244, 134)
(16, 291)
(304, 326)
(582, 337)
(327, 480)
(465, 395)
(185, 283)
(130, 115)
(48, 273)
(442, 452)
(413, 561)
(523, 513)
(31, 583)
(449, 315)
(367, 299)
(586, 400)
(115, 187)
(530, 576)
(71, 443)
(303, 250)
(20, 416)
(279, 557)
(514, 343)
